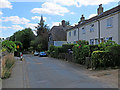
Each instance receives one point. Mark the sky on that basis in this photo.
(16, 15)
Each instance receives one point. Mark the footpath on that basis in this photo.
(17, 77)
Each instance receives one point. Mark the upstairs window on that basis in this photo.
(75, 33)
(92, 28)
(83, 31)
(70, 34)
(110, 22)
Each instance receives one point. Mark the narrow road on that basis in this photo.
(45, 72)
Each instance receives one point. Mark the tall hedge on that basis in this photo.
(102, 59)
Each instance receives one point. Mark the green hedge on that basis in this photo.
(80, 52)
(115, 52)
(67, 46)
(93, 48)
(101, 59)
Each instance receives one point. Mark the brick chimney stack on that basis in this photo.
(82, 18)
(63, 23)
(100, 9)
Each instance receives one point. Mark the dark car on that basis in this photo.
(42, 54)
(36, 53)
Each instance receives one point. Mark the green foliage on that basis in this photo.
(67, 46)
(104, 45)
(10, 46)
(115, 52)
(82, 42)
(7, 69)
(93, 48)
(80, 52)
(25, 36)
(55, 51)
(101, 59)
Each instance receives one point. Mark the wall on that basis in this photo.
(59, 43)
(9, 56)
(72, 38)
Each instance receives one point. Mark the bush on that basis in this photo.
(101, 59)
(82, 42)
(115, 52)
(10, 46)
(67, 46)
(80, 52)
(102, 46)
(93, 48)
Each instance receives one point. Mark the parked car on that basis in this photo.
(42, 54)
(36, 53)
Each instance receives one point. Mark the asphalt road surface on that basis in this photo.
(45, 72)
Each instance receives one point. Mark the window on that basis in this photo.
(74, 42)
(70, 34)
(110, 22)
(92, 28)
(91, 41)
(83, 30)
(96, 41)
(108, 38)
(75, 33)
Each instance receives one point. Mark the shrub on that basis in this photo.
(67, 46)
(82, 42)
(52, 48)
(101, 59)
(80, 52)
(10, 46)
(115, 52)
(104, 45)
(93, 48)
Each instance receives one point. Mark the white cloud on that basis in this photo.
(38, 18)
(17, 27)
(50, 8)
(13, 27)
(56, 23)
(5, 4)
(16, 20)
(92, 15)
(3, 27)
(31, 25)
(1, 13)
(79, 3)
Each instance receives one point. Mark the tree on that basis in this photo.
(25, 37)
(41, 41)
(10, 46)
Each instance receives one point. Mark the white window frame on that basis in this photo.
(110, 22)
(74, 32)
(91, 42)
(70, 34)
(92, 28)
(83, 30)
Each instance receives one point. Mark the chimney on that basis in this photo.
(100, 9)
(63, 23)
(82, 18)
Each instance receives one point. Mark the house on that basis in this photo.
(102, 27)
(58, 35)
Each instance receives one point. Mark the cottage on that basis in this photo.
(58, 35)
(102, 27)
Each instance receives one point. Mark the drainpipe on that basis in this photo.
(78, 33)
(98, 31)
